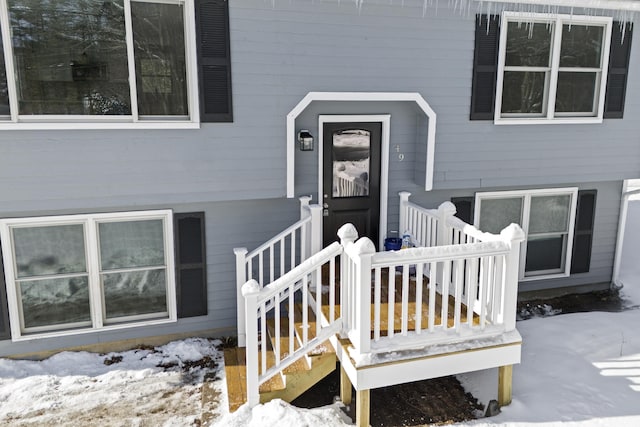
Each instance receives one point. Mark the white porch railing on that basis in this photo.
(304, 286)
(478, 280)
(473, 274)
(278, 255)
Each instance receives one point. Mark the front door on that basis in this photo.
(351, 178)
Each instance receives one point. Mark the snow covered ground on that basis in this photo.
(577, 370)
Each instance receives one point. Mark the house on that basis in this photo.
(142, 141)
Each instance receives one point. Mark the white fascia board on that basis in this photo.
(359, 97)
(627, 5)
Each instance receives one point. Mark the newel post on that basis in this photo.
(316, 229)
(304, 206)
(362, 251)
(514, 236)
(404, 211)
(250, 293)
(241, 278)
(445, 211)
(348, 235)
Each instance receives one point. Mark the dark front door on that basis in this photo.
(351, 178)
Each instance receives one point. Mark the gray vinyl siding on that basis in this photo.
(236, 172)
(228, 225)
(280, 52)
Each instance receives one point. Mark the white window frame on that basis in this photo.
(549, 114)
(90, 223)
(526, 210)
(133, 121)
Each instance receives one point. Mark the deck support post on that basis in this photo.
(505, 377)
(362, 408)
(316, 229)
(404, 219)
(345, 387)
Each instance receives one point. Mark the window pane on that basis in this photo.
(528, 45)
(544, 254)
(523, 92)
(55, 301)
(581, 46)
(41, 251)
(161, 77)
(496, 214)
(70, 57)
(549, 214)
(576, 92)
(4, 91)
(131, 244)
(134, 293)
(351, 157)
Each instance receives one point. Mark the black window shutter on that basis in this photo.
(618, 70)
(5, 330)
(485, 67)
(464, 208)
(214, 60)
(191, 264)
(583, 232)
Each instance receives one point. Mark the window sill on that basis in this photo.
(71, 332)
(543, 277)
(64, 125)
(542, 121)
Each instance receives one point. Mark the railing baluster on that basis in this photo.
(391, 297)
(261, 269)
(419, 280)
(292, 326)
(484, 282)
(377, 291)
(250, 269)
(318, 299)
(433, 270)
(303, 245)
(405, 299)
(293, 249)
(472, 287)
(498, 308)
(305, 310)
(446, 278)
(271, 265)
(332, 290)
(459, 269)
(277, 327)
(263, 335)
(283, 253)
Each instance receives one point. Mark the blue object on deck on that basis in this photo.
(392, 244)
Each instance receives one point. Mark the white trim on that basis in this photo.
(628, 5)
(526, 209)
(360, 96)
(549, 116)
(385, 120)
(622, 224)
(91, 240)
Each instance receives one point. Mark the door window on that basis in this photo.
(351, 154)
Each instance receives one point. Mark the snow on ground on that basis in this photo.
(144, 387)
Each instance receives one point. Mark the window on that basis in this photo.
(552, 68)
(86, 272)
(547, 218)
(539, 68)
(102, 63)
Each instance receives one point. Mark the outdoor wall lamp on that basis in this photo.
(306, 140)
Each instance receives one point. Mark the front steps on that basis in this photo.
(288, 385)
(294, 379)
